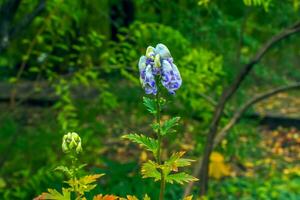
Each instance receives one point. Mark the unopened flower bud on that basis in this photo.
(150, 52)
(71, 142)
(79, 148)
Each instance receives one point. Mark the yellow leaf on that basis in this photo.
(216, 157)
(186, 147)
(129, 197)
(188, 197)
(292, 171)
(143, 156)
(217, 167)
(90, 178)
(249, 164)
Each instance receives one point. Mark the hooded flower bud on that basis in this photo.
(71, 142)
(163, 51)
(150, 52)
(158, 62)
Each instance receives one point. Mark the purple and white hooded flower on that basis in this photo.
(171, 78)
(147, 77)
(158, 65)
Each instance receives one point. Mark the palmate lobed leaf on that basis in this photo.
(150, 144)
(180, 178)
(84, 184)
(176, 161)
(90, 178)
(85, 180)
(53, 194)
(168, 125)
(149, 170)
(150, 105)
(152, 169)
(65, 170)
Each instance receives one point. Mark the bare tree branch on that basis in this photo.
(238, 114)
(209, 99)
(226, 95)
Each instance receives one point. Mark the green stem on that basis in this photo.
(158, 156)
(162, 186)
(74, 173)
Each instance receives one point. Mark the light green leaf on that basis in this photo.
(2, 183)
(176, 161)
(81, 166)
(180, 178)
(84, 184)
(55, 195)
(150, 104)
(90, 179)
(149, 143)
(263, 3)
(169, 124)
(65, 170)
(149, 170)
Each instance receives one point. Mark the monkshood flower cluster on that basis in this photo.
(158, 66)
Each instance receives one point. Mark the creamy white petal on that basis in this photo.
(163, 51)
(142, 63)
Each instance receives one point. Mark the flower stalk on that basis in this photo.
(159, 150)
(71, 145)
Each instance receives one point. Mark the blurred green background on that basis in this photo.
(68, 65)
